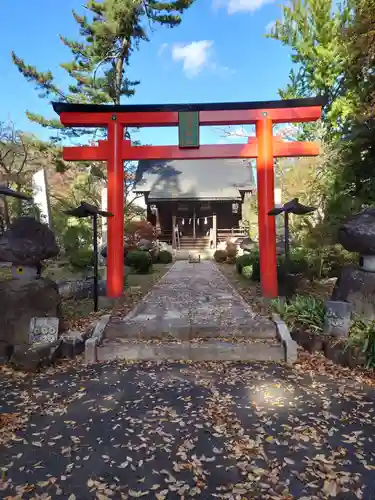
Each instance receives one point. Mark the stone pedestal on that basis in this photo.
(21, 300)
(367, 263)
(358, 288)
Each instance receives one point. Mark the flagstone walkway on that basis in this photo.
(179, 431)
(190, 302)
(195, 300)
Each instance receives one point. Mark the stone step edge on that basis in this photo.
(187, 333)
(289, 346)
(194, 341)
(189, 351)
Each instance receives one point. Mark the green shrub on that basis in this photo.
(362, 335)
(247, 271)
(302, 311)
(231, 259)
(298, 264)
(165, 257)
(247, 259)
(220, 256)
(140, 261)
(298, 261)
(81, 258)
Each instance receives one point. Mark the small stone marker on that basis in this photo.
(43, 330)
(194, 258)
(337, 318)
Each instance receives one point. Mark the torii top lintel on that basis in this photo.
(229, 113)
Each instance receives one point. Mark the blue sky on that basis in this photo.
(218, 53)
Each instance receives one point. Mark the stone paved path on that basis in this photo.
(193, 300)
(175, 431)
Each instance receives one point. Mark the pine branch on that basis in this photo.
(43, 80)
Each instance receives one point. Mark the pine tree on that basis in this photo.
(109, 33)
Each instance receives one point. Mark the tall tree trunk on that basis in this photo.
(18, 201)
(120, 69)
(5, 213)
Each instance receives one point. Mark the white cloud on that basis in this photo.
(194, 56)
(163, 47)
(234, 6)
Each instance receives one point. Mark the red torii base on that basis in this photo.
(265, 147)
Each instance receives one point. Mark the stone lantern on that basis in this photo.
(356, 284)
(25, 245)
(28, 301)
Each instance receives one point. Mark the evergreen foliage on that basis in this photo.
(110, 31)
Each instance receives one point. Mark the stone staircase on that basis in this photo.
(192, 313)
(199, 246)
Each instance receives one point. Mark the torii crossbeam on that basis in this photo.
(189, 117)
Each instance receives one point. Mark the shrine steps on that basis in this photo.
(195, 350)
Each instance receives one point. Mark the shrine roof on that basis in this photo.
(64, 107)
(218, 179)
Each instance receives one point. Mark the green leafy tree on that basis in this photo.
(355, 180)
(313, 29)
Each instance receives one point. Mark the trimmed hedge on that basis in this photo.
(140, 261)
(247, 259)
(220, 256)
(165, 257)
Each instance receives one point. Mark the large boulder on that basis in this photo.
(358, 288)
(20, 301)
(357, 233)
(27, 242)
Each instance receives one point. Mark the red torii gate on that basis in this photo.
(264, 147)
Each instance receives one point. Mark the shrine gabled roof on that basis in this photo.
(65, 107)
(218, 179)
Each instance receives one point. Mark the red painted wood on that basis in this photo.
(266, 201)
(294, 149)
(87, 153)
(170, 118)
(139, 119)
(203, 152)
(115, 239)
(251, 116)
(128, 152)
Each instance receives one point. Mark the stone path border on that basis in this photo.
(290, 346)
(92, 344)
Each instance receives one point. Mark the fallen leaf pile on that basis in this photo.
(188, 430)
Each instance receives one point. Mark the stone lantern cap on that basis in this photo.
(27, 242)
(87, 210)
(248, 244)
(357, 233)
(7, 191)
(292, 207)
